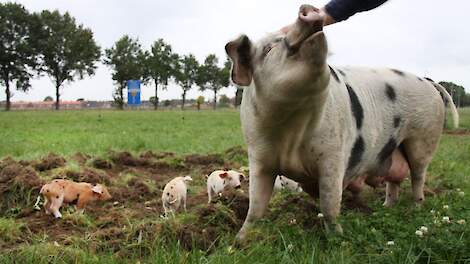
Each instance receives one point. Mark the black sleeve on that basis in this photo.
(341, 10)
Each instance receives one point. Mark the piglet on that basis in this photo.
(219, 180)
(174, 194)
(282, 182)
(58, 192)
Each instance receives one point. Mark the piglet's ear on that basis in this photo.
(239, 51)
(223, 175)
(97, 189)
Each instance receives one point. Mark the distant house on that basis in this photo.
(23, 105)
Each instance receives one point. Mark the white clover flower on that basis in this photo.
(230, 250)
(445, 207)
(293, 221)
(320, 215)
(419, 233)
(461, 222)
(436, 221)
(445, 219)
(390, 243)
(433, 211)
(458, 189)
(423, 229)
(290, 247)
(461, 194)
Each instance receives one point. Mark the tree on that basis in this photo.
(457, 92)
(211, 77)
(160, 65)
(48, 99)
(127, 60)
(224, 101)
(199, 101)
(68, 50)
(186, 74)
(18, 56)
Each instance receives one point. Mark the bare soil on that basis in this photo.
(135, 211)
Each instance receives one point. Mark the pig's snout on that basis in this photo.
(310, 15)
(238, 187)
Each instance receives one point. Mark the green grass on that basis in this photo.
(27, 135)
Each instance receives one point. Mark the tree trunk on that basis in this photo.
(57, 95)
(121, 98)
(184, 99)
(215, 99)
(238, 96)
(156, 95)
(198, 105)
(8, 95)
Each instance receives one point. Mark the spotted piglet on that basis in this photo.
(282, 182)
(174, 194)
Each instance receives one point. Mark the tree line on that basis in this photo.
(54, 44)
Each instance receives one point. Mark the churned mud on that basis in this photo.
(134, 216)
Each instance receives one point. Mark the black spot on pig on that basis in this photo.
(429, 79)
(387, 150)
(356, 152)
(342, 73)
(419, 78)
(334, 73)
(398, 72)
(390, 92)
(396, 121)
(356, 107)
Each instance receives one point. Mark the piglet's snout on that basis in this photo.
(238, 187)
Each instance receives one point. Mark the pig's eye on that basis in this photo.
(267, 49)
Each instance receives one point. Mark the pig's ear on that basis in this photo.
(188, 178)
(241, 177)
(97, 189)
(239, 51)
(223, 175)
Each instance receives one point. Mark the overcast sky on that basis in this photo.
(425, 37)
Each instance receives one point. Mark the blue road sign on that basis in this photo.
(133, 92)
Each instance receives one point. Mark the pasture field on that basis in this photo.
(136, 152)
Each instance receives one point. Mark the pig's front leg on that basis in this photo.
(261, 188)
(331, 189)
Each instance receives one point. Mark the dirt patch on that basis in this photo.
(294, 209)
(50, 162)
(152, 155)
(351, 202)
(137, 191)
(81, 158)
(127, 159)
(193, 237)
(458, 132)
(88, 175)
(237, 202)
(101, 163)
(18, 184)
(211, 159)
(235, 152)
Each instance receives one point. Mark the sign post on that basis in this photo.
(133, 92)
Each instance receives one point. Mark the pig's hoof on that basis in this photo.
(388, 203)
(338, 229)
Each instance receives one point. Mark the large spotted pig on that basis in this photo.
(324, 126)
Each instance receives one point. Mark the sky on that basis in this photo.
(425, 37)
